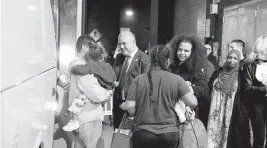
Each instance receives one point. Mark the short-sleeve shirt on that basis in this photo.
(157, 114)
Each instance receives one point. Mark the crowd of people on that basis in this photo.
(150, 88)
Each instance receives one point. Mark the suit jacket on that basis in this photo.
(140, 64)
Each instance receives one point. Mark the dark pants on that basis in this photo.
(117, 116)
(145, 139)
(241, 136)
(202, 112)
(257, 115)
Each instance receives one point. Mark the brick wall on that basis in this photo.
(104, 16)
(165, 26)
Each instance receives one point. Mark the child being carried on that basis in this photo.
(96, 77)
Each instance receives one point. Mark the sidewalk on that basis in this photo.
(64, 139)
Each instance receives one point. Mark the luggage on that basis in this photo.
(122, 137)
(193, 135)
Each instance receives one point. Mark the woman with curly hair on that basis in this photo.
(189, 61)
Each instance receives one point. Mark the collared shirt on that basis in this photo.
(131, 58)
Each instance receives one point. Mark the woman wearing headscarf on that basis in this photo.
(224, 102)
(189, 61)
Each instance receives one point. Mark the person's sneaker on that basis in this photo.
(71, 126)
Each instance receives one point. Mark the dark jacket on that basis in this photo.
(255, 91)
(208, 70)
(196, 77)
(199, 85)
(213, 60)
(101, 70)
(140, 64)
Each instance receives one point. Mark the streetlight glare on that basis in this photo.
(129, 12)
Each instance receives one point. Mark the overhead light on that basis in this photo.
(31, 8)
(129, 12)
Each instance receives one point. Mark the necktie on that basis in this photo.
(123, 72)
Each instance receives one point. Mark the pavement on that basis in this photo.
(64, 139)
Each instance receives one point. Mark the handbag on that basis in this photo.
(122, 137)
(193, 135)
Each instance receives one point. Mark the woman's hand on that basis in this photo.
(189, 114)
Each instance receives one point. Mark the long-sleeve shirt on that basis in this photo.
(101, 70)
(254, 90)
(89, 86)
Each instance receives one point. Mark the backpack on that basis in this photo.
(193, 135)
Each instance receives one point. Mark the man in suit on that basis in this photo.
(129, 63)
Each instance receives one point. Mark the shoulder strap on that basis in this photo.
(194, 131)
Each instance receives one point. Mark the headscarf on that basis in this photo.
(229, 75)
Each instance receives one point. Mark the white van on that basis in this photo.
(28, 74)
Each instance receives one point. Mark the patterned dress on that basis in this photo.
(220, 114)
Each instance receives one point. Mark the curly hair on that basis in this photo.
(159, 56)
(197, 58)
